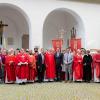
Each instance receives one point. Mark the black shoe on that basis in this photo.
(88, 81)
(23, 83)
(39, 81)
(20, 83)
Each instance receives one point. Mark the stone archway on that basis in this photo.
(18, 25)
(62, 18)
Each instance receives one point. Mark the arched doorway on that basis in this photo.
(18, 25)
(58, 19)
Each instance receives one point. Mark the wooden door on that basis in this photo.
(25, 41)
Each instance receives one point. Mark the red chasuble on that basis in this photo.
(97, 64)
(50, 65)
(32, 67)
(93, 65)
(17, 67)
(36, 56)
(10, 68)
(22, 66)
(78, 67)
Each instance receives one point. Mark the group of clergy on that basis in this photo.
(25, 66)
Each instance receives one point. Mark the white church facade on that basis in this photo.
(36, 22)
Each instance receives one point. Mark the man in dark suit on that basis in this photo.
(59, 61)
(87, 69)
(41, 66)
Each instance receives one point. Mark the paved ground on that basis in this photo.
(50, 91)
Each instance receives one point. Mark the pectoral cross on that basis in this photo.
(2, 25)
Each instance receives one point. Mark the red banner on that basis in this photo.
(57, 43)
(75, 44)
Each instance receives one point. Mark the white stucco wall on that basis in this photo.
(38, 10)
(17, 26)
(61, 19)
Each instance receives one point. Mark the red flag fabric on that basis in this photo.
(57, 43)
(75, 44)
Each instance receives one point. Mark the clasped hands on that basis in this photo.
(22, 63)
(80, 61)
(11, 63)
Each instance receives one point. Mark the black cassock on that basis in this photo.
(87, 70)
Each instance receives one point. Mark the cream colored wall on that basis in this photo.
(37, 12)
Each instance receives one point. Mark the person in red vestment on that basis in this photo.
(93, 53)
(32, 67)
(0, 67)
(36, 52)
(50, 65)
(97, 67)
(22, 70)
(78, 66)
(17, 51)
(10, 67)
